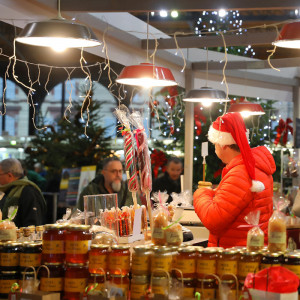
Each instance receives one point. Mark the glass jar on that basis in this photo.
(249, 263)
(139, 286)
(7, 279)
(27, 278)
(161, 259)
(292, 262)
(207, 288)
(227, 263)
(174, 251)
(188, 288)
(229, 286)
(10, 256)
(77, 241)
(119, 260)
(98, 257)
(39, 232)
(99, 279)
(31, 255)
(141, 258)
(186, 262)
(160, 285)
(206, 262)
(76, 280)
(55, 281)
(271, 259)
(118, 281)
(53, 244)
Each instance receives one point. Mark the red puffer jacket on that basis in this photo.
(223, 210)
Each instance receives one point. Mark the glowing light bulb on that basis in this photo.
(59, 48)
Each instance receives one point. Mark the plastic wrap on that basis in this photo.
(255, 236)
(8, 229)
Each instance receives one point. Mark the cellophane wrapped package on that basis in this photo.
(255, 236)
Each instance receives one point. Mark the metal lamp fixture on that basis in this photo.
(58, 34)
(289, 36)
(247, 108)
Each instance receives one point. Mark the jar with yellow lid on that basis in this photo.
(160, 285)
(141, 258)
(249, 263)
(98, 257)
(76, 280)
(120, 282)
(10, 256)
(207, 287)
(271, 259)
(53, 244)
(119, 260)
(139, 286)
(229, 288)
(227, 263)
(31, 255)
(55, 281)
(7, 279)
(207, 262)
(161, 259)
(292, 262)
(77, 243)
(186, 262)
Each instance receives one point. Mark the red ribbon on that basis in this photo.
(283, 130)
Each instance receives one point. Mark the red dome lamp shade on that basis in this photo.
(146, 75)
(289, 36)
(247, 108)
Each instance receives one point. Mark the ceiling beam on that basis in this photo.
(253, 37)
(187, 5)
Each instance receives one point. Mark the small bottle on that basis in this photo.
(31, 255)
(55, 281)
(186, 262)
(119, 260)
(98, 258)
(10, 256)
(141, 258)
(139, 286)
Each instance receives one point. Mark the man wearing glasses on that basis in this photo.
(108, 182)
(21, 192)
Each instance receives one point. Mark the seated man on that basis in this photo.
(108, 182)
(170, 181)
(20, 192)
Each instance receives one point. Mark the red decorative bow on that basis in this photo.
(282, 131)
(158, 160)
(170, 92)
(198, 116)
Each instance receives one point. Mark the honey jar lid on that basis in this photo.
(9, 272)
(159, 280)
(186, 250)
(53, 264)
(99, 246)
(272, 254)
(161, 249)
(39, 228)
(118, 275)
(120, 247)
(32, 244)
(76, 265)
(292, 255)
(52, 226)
(209, 250)
(250, 253)
(141, 248)
(230, 251)
(11, 244)
(96, 275)
(206, 279)
(79, 227)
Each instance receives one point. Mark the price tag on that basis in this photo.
(204, 149)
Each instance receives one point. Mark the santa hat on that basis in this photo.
(230, 129)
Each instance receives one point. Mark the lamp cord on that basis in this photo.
(58, 10)
(206, 66)
(147, 37)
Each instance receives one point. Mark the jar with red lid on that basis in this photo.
(186, 262)
(120, 282)
(31, 255)
(78, 240)
(119, 260)
(76, 280)
(55, 281)
(53, 248)
(98, 257)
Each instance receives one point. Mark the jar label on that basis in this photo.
(159, 290)
(119, 262)
(5, 285)
(163, 263)
(247, 267)
(158, 233)
(77, 247)
(97, 261)
(255, 240)
(277, 237)
(173, 237)
(10, 259)
(188, 292)
(294, 268)
(227, 267)
(186, 265)
(53, 247)
(138, 290)
(51, 284)
(30, 259)
(75, 285)
(264, 266)
(140, 263)
(206, 266)
(208, 294)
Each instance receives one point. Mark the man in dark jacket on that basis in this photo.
(170, 181)
(108, 182)
(22, 193)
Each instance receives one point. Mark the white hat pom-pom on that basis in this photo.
(257, 186)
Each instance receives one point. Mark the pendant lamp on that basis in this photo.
(246, 108)
(289, 36)
(58, 34)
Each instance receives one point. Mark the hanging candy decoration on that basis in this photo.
(282, 131)
(158, 160)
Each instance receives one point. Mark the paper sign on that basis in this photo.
(204, 149)
(137, 222)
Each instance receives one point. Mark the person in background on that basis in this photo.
(170, 180)
(108, 182)
(20, 192)
(38, 167)
(246, 185)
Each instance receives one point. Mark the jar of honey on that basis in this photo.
(120, 282)
(7, 279)
(206, 262)
(227, 263)
(55, 281)
(139, 286)
(229, 288)
(141, 258)
(292, 262)
(39, 232)
(31, 255)
(160, 285)
(249, 263)
(98, 279)
(10, 256)
(186, 262)
(98, 257)
(188, 288)
(77, 241)
(161, 259)
(53, 244)
(207, 287)
(271, 259)
(119, 260)
(76, 280)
